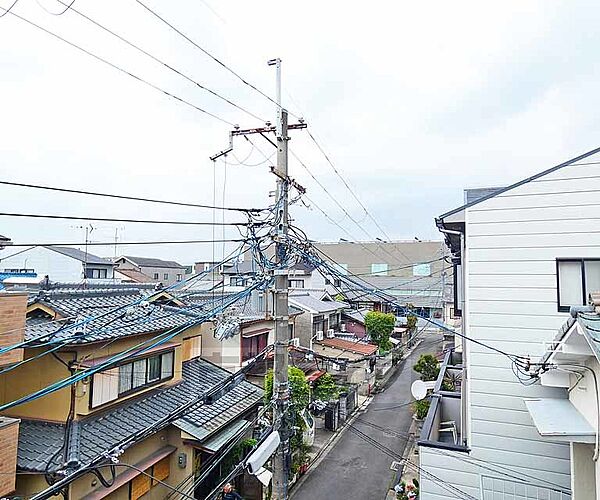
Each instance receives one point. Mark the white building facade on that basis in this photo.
(523, 255)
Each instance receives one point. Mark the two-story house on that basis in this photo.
(523, 255)
(62, 264)
(161, 271)
(142, 396)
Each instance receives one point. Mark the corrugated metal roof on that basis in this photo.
(347, 345)
(308, 302)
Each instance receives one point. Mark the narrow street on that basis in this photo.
(355, 469)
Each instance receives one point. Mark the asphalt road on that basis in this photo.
(355, 469)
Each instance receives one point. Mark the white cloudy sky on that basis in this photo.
(414, 101)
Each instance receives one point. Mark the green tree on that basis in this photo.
(428, 366)
(300, 392)
(325, 388)
(379, 327)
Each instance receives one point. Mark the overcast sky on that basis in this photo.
(413, 101)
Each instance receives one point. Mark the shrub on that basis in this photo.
(421, 408)
(379, 327)
(428, 366)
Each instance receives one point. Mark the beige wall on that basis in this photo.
(397, 254)
(46, 370)
(136, 454)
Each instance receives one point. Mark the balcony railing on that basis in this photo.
(443, 425)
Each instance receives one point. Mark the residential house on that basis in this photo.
(146, 402)
(252, 329)
(572, 364)
(301, 275)
(523, 255)
(322, 318)
(354, 361)
(353, 321)
(161, 271)
(62, 264)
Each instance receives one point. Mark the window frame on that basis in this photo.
(156, 275)
(584, 293)
(384, 268)
(165, 276)
(147, 384)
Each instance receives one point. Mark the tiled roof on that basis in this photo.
(110, 307)
(152, 262)
(99, 433)
(347, 345)
(80, 255)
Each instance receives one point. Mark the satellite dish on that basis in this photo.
(418, 390)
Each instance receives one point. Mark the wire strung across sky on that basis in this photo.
(159, 61)
(122, 70)
(141, 221)
(130, 198)
(206, 52)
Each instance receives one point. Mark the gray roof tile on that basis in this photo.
(99, 433)
(80, 255)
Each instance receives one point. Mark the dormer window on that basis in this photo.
(131, 377)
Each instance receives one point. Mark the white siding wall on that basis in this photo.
(513, 241)
(45, 262)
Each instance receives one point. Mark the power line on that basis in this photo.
(156, 59)
(347, 185)
(122, 70)
(6, 11)
(342, 208)
(121, 243)
(206, 52)
(131, 198)
(142, 221)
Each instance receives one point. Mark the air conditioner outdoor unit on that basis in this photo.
(320, 335)
(330, 333)
(295, 342)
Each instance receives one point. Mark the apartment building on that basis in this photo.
(523, 255)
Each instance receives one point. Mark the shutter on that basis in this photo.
(139, 486)
(161, 470)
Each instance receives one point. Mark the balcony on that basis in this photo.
(443, 425)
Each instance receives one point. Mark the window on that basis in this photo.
(237, 281)
(422, 270)
(139, 373)
(126, 378)
(155, 276)
(179, 277)
(142, 484)
(319, 324)
(153, 369)
(207, 266)
(252, 346)
(337, 283)
(334, 320)
(379, 269)
(296, 283)
(576, 279)
(166, 276)
(167, 364)
(96, 273)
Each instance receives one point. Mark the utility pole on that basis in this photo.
(281, 392)
(280, 312)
